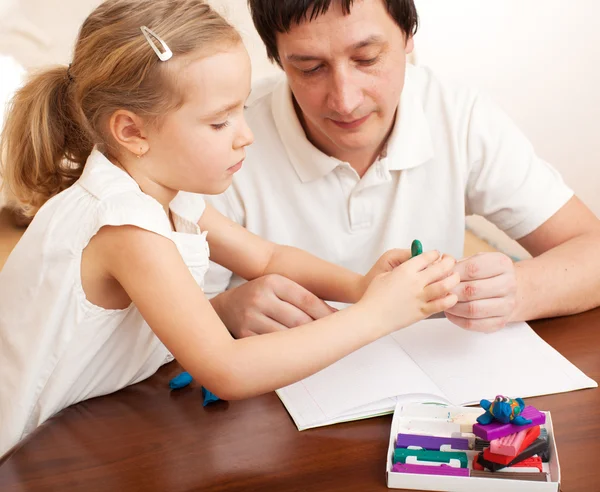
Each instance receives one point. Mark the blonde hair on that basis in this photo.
(54, 121)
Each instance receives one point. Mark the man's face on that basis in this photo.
(346, 73)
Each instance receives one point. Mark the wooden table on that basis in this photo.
(146, 438)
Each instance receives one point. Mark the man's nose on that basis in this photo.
(345, 94)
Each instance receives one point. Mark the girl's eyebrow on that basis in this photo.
(229, 107)
(226, 109)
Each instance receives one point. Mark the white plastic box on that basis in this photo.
(405, 415)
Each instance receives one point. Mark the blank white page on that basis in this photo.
(376, 372)
(468, 366)
(432, 360)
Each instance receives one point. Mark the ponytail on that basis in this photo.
(42, 149)
(56, 118)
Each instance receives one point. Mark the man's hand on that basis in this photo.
(267, 304)
(486, 293)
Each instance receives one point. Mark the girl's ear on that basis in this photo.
(129, 131)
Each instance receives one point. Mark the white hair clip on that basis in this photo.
(162, 55)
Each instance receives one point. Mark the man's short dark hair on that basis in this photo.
(279, 16)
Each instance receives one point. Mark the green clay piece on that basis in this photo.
(416, 248)
(400, 455)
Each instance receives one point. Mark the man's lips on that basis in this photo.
(350, 125)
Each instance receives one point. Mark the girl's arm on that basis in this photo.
(152, 272)
(250, 257)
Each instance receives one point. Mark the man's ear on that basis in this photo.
(128, 130)
(410, 45)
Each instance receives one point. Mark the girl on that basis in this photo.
(111, 155)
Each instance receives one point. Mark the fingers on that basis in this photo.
(439, 270)
(259, 326)
(421, 262)
(498, 286)
(394, 258)
(487, 325)
(440, 305)
(483, 265)
(442, 287)
(270, 303)
(484, 308)
(302, 300)
(286, 314)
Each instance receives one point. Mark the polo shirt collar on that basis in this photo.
(410, 144)
(308, 161)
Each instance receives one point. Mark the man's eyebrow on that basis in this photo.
(302, 58)
(373, 39)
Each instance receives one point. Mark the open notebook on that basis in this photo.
(433, 361)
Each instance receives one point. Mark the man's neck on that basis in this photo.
(360, 161)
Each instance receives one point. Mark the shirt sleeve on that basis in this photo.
(218, 278)
(134, 209)
(508, 183)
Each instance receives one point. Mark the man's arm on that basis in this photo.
(519, 192)
(252, 257)
(564, 275)
(562, 278)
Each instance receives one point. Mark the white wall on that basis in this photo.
(236, 11)
(539, 59)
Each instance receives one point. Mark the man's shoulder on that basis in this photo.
(263, 87)
(259, 107)
(261, 120)
(260, 102)
(436, 90)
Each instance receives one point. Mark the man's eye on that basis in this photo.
(370, 61)
(312, 70)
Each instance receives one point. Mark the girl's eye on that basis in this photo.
(220, 126)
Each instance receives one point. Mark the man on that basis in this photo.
(357, 153)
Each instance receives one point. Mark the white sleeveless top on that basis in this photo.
(57, 348)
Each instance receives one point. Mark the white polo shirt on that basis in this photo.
(451, 153)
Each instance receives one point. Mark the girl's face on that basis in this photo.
(200, 146)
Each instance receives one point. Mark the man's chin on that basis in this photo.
(356, 143)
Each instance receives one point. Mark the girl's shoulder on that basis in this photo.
(104, 195)
(117, 198)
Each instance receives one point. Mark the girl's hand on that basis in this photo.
(416, 289)
(386, 263)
